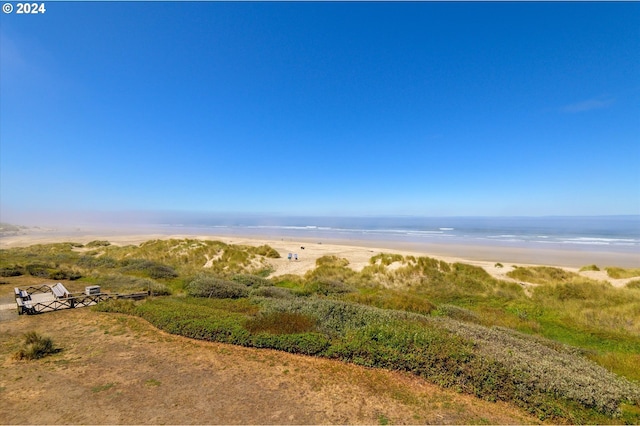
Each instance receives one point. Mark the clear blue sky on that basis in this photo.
(322, 108)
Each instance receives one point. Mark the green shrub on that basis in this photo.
(209, 286)
(273, 292)
(541, 274)
(97, 262)
(547, 369)
(119, 283)
(267, 251)
(155, 288)
(38, 270)
(581, 289)
(35, 346)
(326, 287)
(98, 243)
(617, 273)
(11, 271)
(589, 268)
(394, 299)
(251, 280)
(334, 317)
(215, 320)
(635, 284)
(281, 323)
(457, 313)
(45, 271)
(300, 343)
(331, 260)
(123, 306)
(386, 259)
(150, 268)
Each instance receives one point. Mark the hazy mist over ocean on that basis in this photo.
(600, 233)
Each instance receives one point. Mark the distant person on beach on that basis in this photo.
(289, 257)
(295, 256)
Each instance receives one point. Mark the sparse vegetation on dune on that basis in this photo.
(615, 272)
(589, 268)
(541, 274)
(567, 350)
(35, 346)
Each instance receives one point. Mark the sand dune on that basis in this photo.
(359, 252)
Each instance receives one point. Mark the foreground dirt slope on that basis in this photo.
(116, 369)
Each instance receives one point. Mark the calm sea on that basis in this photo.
(598, 233)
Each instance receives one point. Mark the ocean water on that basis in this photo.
(597, 233)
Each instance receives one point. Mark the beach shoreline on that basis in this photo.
(467, 252)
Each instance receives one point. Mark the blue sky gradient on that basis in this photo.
(429, 109)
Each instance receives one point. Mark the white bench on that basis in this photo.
(60, 291)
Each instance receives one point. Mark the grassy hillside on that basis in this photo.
(567, 351)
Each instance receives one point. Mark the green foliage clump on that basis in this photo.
(393, 299)
(91, 262)
(266, 251)
(38, 270)
(589, 268)
(457, 313)
(299, 343)
(35, 346)
(386, 259)
(119, 283)
(199, 319)
(50, 272)
(541, 274)
(123, 306)
(281, 323)
(616, 273)
(251, 280)
(273, 292)
(155, 288)
(333, 316)
(149, 268)
(11, 271)
(98, 243)
(635, 284)
(326, 287)
(331, 260)
(550, 369)
(214, 287)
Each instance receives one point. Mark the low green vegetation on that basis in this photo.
(541, 274)
(567, 349)
(616, 273)
(589, 268)
(35, 346)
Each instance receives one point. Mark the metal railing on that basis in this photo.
(74, 300)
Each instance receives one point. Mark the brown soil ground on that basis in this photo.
(117, 369)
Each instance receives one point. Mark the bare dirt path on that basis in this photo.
(116, 369)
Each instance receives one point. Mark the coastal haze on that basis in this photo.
(559, 241)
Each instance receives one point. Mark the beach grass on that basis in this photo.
(615, 272)
(590, 268)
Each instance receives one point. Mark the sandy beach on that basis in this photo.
(358, 252)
